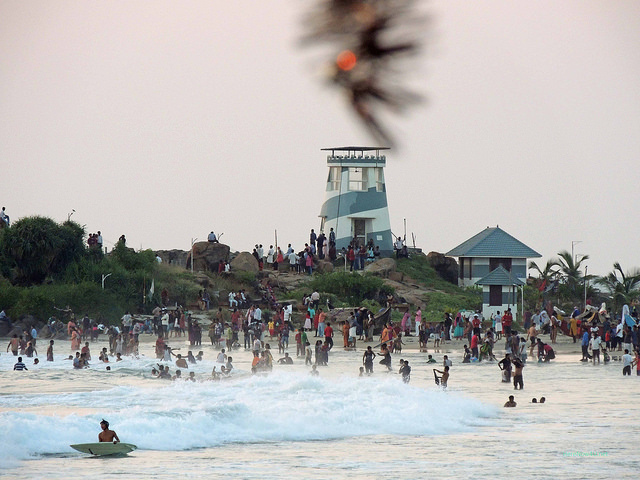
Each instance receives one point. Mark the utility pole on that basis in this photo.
(586, 268)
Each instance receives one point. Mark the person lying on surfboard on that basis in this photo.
(107, 435)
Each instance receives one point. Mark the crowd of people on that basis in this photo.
(319, 247)
(315, 329)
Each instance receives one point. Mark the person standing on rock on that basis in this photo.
(271, 256)
(312, 239)
(320, 244)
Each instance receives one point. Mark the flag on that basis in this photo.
(542, 286)
(152, 289)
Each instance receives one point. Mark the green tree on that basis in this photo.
(570, 275)
(622, 287)
(37, 247)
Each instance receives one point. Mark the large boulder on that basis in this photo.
(174, 257)
(203, 280)
(324, 266)
(444, 266)
(245, 262)
(382, 267)
(396, 276)
(207, 256)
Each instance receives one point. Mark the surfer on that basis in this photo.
(107, 435)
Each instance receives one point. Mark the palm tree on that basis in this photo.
(571, 275)
(548, 273)
(623, 290)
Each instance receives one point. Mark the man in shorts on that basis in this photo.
(627, 360)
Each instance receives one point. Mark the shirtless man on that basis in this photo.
(444, 376)
(511, 402)
(107, 435)
(14, 344)
(517, 377)
(531, 335)
(181, 362)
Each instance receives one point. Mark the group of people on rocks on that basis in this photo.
(359, 254)
(319, 247)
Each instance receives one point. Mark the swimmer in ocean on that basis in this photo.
(444, 376)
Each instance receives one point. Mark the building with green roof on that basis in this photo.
(497, 262)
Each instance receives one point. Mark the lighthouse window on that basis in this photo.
(356, 180)
(333, 182)
(379, 176)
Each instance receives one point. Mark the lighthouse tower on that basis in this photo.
(355, 203)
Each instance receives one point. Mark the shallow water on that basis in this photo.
(332, 426)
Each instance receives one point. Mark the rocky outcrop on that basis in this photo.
(207, 256)
(244, 262)
(324, 266)
(174, 257)
(382, 267)
(444, 266)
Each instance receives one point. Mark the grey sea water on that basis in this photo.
(337, 425)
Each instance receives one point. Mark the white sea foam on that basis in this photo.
(284, 406)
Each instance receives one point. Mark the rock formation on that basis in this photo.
(244, 262)
(381, 267)
(446, 267)
(175, 257)
(207, 256)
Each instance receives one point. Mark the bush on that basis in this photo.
(439, 303)
(352, 287)
(36, 248)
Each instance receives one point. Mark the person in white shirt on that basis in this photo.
(596, 341)
(627, 360)
(257, 346)
(270, 255)
(126, 322)
(232, 300)
(222, 357)
(165, 323)
(5, 217)
(315, 299)
(619, 334)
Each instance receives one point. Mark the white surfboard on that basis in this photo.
(104, 448)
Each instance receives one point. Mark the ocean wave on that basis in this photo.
(284, 406)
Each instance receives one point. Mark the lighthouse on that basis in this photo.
(355, 204)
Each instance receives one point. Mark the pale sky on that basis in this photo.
(164, 120)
